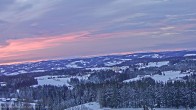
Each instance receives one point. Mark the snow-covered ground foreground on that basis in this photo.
(87, 106)
(154, 109)
(96, 106)
(166, 76)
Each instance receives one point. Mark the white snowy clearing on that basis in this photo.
(2, 71)
(34, 71)
(188, 55)
(99, 68)
(126, 59)
(58, 80)
(153, 64)
(152, 56)
(96, 106)
(87, 106)
(112, 63)
(75, 65)
(107, 68)
(166, 76)
(154, 109)
(15, 73)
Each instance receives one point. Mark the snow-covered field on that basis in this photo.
(96, 106)
(38, 71)
(106, 68)
(75, 65)
(188, 55)
(87, 106)
(153, 64)
(154, 109)
(169, 75)
(99, 68)
(112, 63)
(58, 80)
(166, 76)
(158, 64)
(152, 56)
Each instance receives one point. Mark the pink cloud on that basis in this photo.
(79, 44)
(20, 47)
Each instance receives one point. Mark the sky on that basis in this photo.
(33, 30)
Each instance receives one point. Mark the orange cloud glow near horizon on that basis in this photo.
(19, 47)
(52, 29)
(37, 48)
(90, 56)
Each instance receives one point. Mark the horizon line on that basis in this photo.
(97, 55)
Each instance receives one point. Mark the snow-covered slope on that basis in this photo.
(152, 56)
(58, 80)
(188, 55)
(153, 64)
(94, 62)
(112, 63)
(96, 106)
(87, 106)
(166, 76)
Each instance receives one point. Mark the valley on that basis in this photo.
(106, 80)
